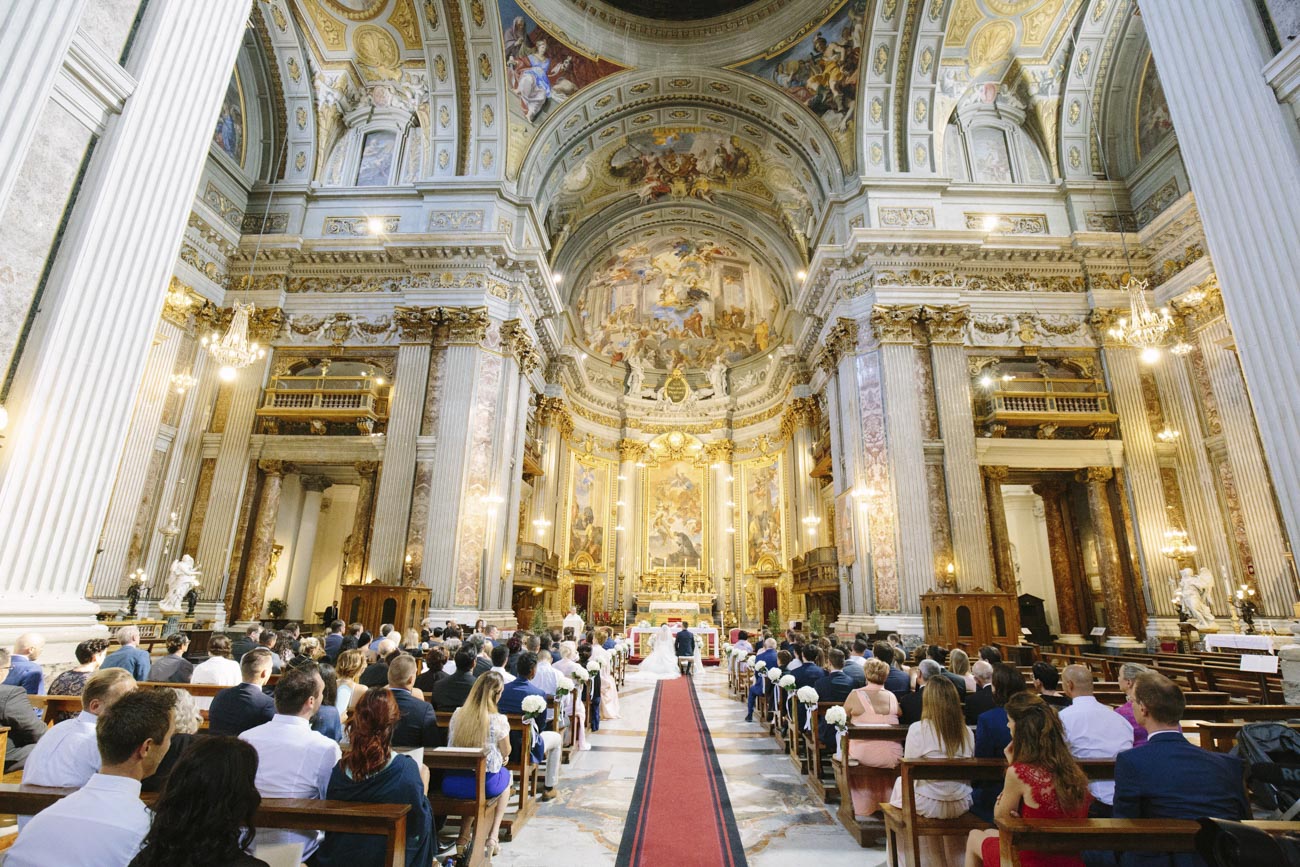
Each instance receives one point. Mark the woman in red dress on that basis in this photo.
(1043, 782)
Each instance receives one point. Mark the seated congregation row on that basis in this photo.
(988, 710)
(340, 732)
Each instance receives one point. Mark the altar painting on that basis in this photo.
(762, 516)
(678, 302)
(675, 516)
(588, 515)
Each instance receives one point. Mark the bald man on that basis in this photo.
(23, 670)
(1093, 731)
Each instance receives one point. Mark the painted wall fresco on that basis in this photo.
(1154, 124)
(675, 302)
(675, 516)
(762, 516)
(588, 507)
(377, 154)
(678, 163)
(478, 479)
(228, 134)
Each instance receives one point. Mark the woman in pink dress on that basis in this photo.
(872, 705)
(1043, 781)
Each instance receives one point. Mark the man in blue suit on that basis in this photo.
(240, 708)
(1169, 778)
(418, 726)
(811, 671)
(23, 668)
(761, 684)
(548, 746)
(334, 640)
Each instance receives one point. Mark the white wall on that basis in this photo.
(286, 534)
(338, 509)
(1030, 554)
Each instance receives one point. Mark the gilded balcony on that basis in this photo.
(324, 404)
(1043, 405)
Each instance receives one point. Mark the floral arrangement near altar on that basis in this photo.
(807, 695)
(786, 681)
(533, 706)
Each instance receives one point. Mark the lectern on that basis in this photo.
(373, 604)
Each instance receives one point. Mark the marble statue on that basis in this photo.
(635, 376)
(718, 378)
(1193, 595)
(183, 578)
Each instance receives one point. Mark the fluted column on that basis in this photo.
(999, 536)
(1064, 579)
(1118, 619)
(359, 543)
(70, 402)
(304, 545)
(629, 518)
(966, 512)
(34, 38)
(1243, 157)
(544, 517)
(1264, 532)
(405, 411)
(109, 572)
(894, 328)
(1141, 465)
(259, 555)
(509, 419)
(800, 428)
(722, 546)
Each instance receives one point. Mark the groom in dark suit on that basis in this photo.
(685, 646)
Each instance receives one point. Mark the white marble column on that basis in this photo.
(397, 477)
(544, 516)
(304, 546)
(857, 596)
(802, 422)
(513, 480)
(71, 399)
(722, 547)
(629, 518)
(34, 38)
(894, 328)
(1242, 154)
(966, 512)
(108, 575)
(1254, 486)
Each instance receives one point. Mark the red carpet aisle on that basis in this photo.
(680, 813)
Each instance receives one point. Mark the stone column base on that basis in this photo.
(848, 624)
(1120, 643)
(903, 624)
(65, 624)
(502, 617)
(1071, 638)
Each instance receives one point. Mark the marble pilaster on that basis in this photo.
(722, 565)
(256, 571)
(1118, 616)
(628, 565)
(304, 545)
(999, 536)
(1243, 158)
(967, 516)
(544, 518)
(800, 426)
(362, 524)
(396, 481)
(1064, 579)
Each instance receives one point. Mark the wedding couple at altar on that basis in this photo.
(662, 664)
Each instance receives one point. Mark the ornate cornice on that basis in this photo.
(895, 323)
(631, 450)
(946, 324)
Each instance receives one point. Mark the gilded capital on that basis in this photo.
(995, 473)
(1094, 474)
(273, 468)
(316, 483)
(946, 324)
(803, 412)
(720, 451)
(181, 300)
(631, 450)
(842, 339)
(414, 324)
(367, 468)
(895, 323)
(1102, 320)
(465, 324)
(516, 340)
(266, 324)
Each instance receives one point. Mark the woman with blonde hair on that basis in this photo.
(1043, 781)
(477, 724)
(872, 705)
(959, 664)
(576, 710)
(608, 689)
(348, 668)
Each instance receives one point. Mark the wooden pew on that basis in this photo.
(1243, 712)
(795, 745)
(479, 808)
(55, 706)
(1071, 836)
(1219, 737)
(871, 831)
(820, 777)
(297, 814)
(523, 773)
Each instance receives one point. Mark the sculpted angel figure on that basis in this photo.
(1193, 595)
(635, 375)
(182, 579)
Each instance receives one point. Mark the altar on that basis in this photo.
(706, 639)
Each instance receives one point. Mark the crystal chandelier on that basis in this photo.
(233, 351)
(1177, 546)
(1143, 328)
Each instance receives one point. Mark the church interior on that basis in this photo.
(964, 321)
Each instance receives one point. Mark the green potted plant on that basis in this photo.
(275, 609)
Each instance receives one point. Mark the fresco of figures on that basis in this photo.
(229, 132)
(821, 70)
(1153, 121)
(587, 507)
(675, 516)
(763, 534)
(541, 71)
(678, 163)
(675, 302)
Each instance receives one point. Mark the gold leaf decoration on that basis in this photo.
(488, 117)
(484, 67)
(881, 60)
(300, 115)
(927, 59)
(440, 67)
(877, 154)
(295, 71)
(990, 45)
(444, 159)
(920, 111)
(476, 12)
(877, 110)
(300, 161)
(444, 116)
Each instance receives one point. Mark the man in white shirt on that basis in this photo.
(292, 760)
(499, 656)
(68, 755)
(103, 823)
(218, 669)
(1093, 731)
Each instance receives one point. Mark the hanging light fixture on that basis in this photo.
(1177, 546)
(233, 351)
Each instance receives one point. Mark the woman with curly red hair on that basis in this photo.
(370, 773)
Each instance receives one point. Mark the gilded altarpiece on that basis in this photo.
(676, 524)
(762, 515)
(589, 538)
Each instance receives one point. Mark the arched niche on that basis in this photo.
(986, 141)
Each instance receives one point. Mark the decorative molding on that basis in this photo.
(1109, 221)
(358, 226)
(516, 339)
(1153, 205)
(91, 85)
(1008, 224)
(456, 221)
(895, 323)
(222, 204)
(264, 224)
(906, 218)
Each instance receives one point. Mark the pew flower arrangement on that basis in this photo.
(837, 717)
(593, 666)
(807, 695)
(726, 647)
(563, 686)
(786, 681)
(760, 665)
(580, 675)
(774, 675)
(533, 706)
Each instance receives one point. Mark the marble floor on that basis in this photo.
(780, 822)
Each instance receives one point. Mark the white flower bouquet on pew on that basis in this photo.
(533, 706)
(563, 686)
(760, 666)
(580, 675)
(593, 666)
(786, 681)
(774, 675)
(837, 717)
(807, 694)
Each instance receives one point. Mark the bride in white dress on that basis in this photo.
(661, 664)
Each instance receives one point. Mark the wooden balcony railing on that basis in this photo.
(536, 567)
(324, 404)
(1045, 403)
(816, 571)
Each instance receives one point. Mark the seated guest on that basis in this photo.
(246, 642)
(492, 634)
(103, 823)
(941, 656)
(350, 665)
(859, 653)
(327, 720)
(761, 684)
(514, 647)
(548, 745)
(309, 650)
(269, 640)
(811, 670)
(482, 654)
(605, 636)
(913, 703)
(478, 724)
(435, 658)
(991, 655)
(992, 734)
(174, 667)
(217, 669)
(376, 673)
(1128, 675)
(372, 774)
(451, 692)
(206, 817)
(573, 705)
(898, 682)
(185, 731)
(1047, 682)
(23, 669)
(500, 656)
(1093, 731)
(333, 639)
(16, 712)
(418, 726)
(835, 685)
(1043, 781)
(240, 708)
(981, 698)
(293, 761)
(352, 638)
(129, 656)
(1169, 778)
(959, 665)
(68, 754)
(545, 676)
(872, 705)
(941, 733)
(90, 656)
(384, 632)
